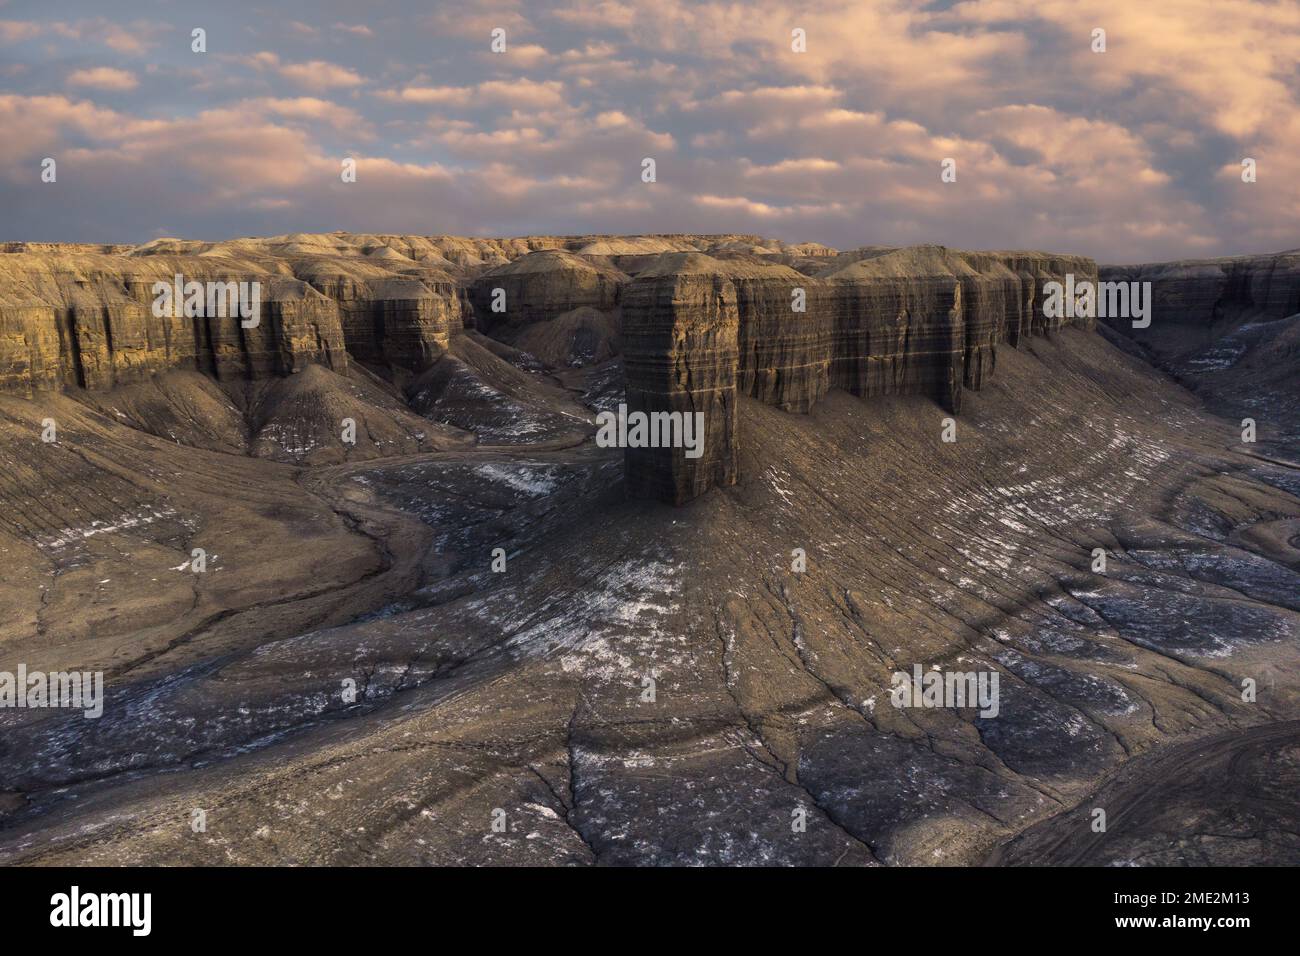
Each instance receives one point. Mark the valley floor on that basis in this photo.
(650, 685)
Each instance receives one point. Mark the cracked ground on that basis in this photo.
(650, 685)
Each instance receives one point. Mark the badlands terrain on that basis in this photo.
(473, 635)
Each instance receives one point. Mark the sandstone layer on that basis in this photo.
(80, 315)
(698, 320)
(541, 286)
(680, 355)
(1197, 293)
(917, 321)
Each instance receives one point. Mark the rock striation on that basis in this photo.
(542, 285)
(1229, 330)
(1196, 301)
(87, 320)
(699, 320)
(397, 321)
(681, 355)
(917, 321)
(78, 315)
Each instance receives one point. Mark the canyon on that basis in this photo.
(694, 328)
(671, 652)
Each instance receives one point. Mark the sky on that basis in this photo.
(1129, 155)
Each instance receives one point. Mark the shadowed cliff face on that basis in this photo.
(88, 321)
(541, 286)
(81, 316)
(1229, 329)
(1198, 298)
(680, 355)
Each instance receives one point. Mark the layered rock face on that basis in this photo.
(401, 322)
(916, 321)
(898, 330)
(1228, 329)
(88, 321)
(1196, 301)
(681, 356)
(784, 355)
(541, 286)
(79, 314)
(76, 316)
(700, 320)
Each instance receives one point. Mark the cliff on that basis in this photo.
(699, 320)
(1196, 301)
(1229, 330)
(680, 354)
(539, 287)
(80, 315)
(698, 330)
(87, 320)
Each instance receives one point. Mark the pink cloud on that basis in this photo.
(104, 78)
(320, 75)
(133, 39)
(16, 31)
(520, 93)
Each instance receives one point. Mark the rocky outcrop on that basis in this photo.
(1201, 291)
(1196, 301)
(298, 327)
(918, 321)
(88, 321)
(700, 320)
(78, 315)
(400, 322)
(582, 337)
(784, 354)
(899, 328)
(540, 286)
(1229, 330)
(680, 355)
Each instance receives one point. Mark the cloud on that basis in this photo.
(1130, 154)
(49, 122)
(129, 39)
(479, 22)
(313, 109)
(104, 78)
(263, 59)
(459, 95)
(1233, 63)
(320, 75)
(520, 94)
(15, 31)
(525, 55)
